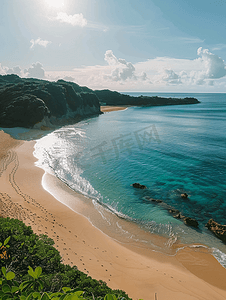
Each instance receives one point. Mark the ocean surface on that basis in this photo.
(170, 149)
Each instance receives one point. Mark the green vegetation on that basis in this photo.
(32, 289)
(25, 255)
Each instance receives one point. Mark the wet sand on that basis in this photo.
(142, 274)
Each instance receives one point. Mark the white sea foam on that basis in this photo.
(220, 256)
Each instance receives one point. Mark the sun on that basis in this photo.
(55, 3)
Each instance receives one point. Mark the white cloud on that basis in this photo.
(214, 65)
(219, 47)
(15, 70)
(204, 70)
(143, 76)
(121, 69)
(110, 58)
(39, 42)
(204, 73)
(68, 78)
(2, 70)
(74, 20)
(171, 77)
(35, 71)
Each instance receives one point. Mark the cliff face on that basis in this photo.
(28, 102)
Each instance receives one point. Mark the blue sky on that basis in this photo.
(129, 45)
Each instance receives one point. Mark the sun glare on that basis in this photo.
(55, 3)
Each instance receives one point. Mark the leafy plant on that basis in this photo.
(27, 252)
(27, 290)
(32, 289)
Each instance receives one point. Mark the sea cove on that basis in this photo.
(169, 149)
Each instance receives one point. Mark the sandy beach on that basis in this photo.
(189, 275)
(105, 109)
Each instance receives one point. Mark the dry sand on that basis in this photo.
(189, 275)
(113, 108)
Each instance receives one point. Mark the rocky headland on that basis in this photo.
(114, 98)
(29, 103)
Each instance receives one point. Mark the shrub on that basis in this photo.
(28, 250)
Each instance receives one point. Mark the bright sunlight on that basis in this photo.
(55, 3)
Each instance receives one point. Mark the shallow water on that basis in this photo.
(171, 150)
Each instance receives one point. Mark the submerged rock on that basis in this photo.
(191, 222)
(156, 200)
(184, 195)
(218, 229)
(139, 186)
(152, 199)
(176, 213)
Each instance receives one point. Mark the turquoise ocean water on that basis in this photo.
(170, 149)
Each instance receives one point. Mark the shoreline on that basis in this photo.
(189, 274)
(108, 108)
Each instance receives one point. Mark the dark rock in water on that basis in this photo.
(139, 186)
(152, 199)
(179, 216)
(176, 213)
(218, 229)
(184, 195)
(191, 222)
(173, 211)
(156, 200)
